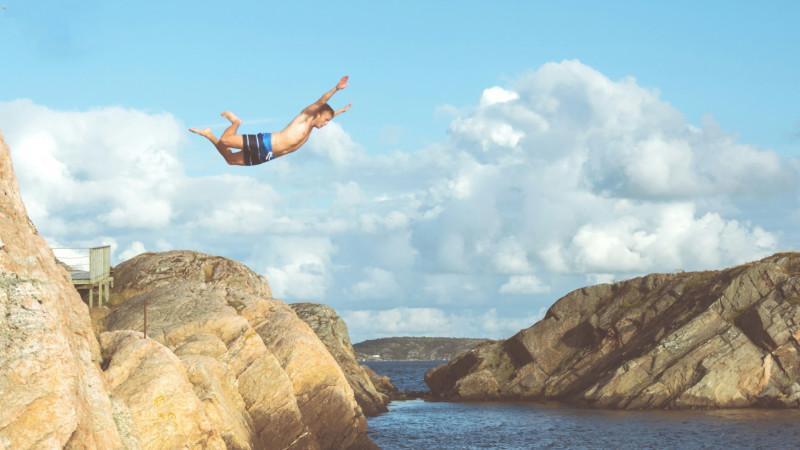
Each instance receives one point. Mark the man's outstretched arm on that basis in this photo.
(336, 113)
(327, 96)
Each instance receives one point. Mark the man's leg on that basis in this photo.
(229, 137)
(234, 159)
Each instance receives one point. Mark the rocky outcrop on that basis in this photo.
(332, 331)
(139, 275)
(413, 348)
(262, 377)
(687, 340)
(152, 383)
(383, 384)
(52, 393)
(224, 364)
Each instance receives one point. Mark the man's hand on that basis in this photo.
(342, 110)
(343, 83)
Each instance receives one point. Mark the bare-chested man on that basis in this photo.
(262, 147)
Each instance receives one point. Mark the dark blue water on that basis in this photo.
(418, 424)
(405, 375)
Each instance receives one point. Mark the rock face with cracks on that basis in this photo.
(722, 339)
(261, 377)
(224, 364)
(52, 392)
(332, 331)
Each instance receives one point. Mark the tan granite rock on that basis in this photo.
(216, 388)
(152, 270)
(152, 382)
(52, 393)
(196, 321)
(324, 396)
(332, 331)
(294, 392)
(382, 384)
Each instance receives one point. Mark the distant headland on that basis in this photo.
(413, 348)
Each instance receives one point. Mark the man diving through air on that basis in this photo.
(263, 147)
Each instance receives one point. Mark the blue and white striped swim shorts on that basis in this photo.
(257, 148)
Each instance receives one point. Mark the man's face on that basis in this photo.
(323, 119)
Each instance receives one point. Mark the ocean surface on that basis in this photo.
(416, 424)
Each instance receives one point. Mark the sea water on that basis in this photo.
(416, 424)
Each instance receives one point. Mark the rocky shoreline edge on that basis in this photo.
(715, 339)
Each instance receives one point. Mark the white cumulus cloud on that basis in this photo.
(378, 284)
(299, 268)
(562, 177)
(523, 284)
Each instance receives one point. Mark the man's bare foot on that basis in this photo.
(205, 132)
(232, 117)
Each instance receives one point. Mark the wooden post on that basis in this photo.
(145, 318)
(91, 295)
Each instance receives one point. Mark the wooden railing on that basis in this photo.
(89, 268)
(99, 263)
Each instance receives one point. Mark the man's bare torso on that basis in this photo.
(293, 136)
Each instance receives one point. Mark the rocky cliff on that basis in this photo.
(687, 340)
(52, 391)
(413, 348)
(224, 363)
(332, 330)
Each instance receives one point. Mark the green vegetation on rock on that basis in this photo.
(413, 348)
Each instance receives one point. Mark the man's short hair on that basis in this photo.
(325, 108)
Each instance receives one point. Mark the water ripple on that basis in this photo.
(418, 424)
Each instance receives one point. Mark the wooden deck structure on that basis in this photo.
(89, 268)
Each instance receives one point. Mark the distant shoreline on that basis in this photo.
(408, 348)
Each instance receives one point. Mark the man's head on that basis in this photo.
(323, 116)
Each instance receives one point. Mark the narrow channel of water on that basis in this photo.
(417, 424)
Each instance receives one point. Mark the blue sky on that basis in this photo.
(497, 154)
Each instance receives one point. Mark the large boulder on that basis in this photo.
(685, 340)
(324, 396)
(332, 331)
(138, 275)
(227, 331)
(249, 399)
(383, 385)
(152, 383)
(52, 393)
